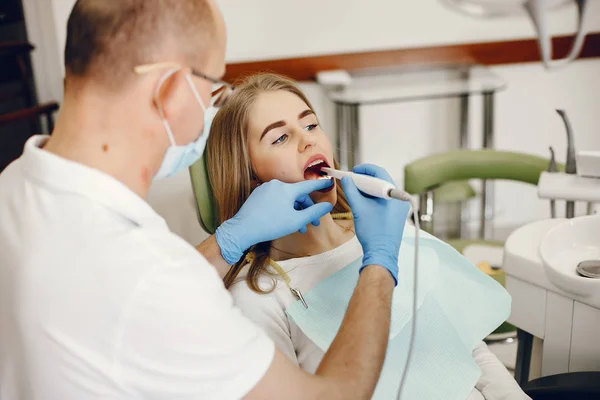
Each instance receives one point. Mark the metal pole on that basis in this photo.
(487, 192)
(353, 135)
(523, 364)
(463, 144)
(341, 137)
(570, 213)
(465, 74)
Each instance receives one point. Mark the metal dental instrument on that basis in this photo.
(298, 294)
(552, 168)
(571, 164)
(379, 188)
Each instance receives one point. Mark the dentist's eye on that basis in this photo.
(281, 139)
(311, 127)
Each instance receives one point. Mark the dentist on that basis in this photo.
(98, 299)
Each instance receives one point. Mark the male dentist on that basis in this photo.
(98, 299)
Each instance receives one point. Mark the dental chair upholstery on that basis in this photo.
(205, 206)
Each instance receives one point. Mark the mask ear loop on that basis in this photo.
(188, 77)
(161, 111)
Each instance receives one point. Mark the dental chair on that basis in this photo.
(205, 206)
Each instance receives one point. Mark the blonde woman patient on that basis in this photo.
(269, 130)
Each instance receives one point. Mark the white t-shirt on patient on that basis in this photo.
(268, 311)
(99, 300)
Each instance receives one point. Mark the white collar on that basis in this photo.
(70, 176)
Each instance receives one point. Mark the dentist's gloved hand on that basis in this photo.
(273, 210)
(379, 223)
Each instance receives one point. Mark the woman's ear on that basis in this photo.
(254, 182)
(254, 179)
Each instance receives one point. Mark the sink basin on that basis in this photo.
(565, 246)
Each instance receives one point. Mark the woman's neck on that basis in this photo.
(317, 239)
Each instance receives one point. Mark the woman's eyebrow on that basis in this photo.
(279, 124)
(274, 125)
(305, 113)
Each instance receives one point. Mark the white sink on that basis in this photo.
(565, 246)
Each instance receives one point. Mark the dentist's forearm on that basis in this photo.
(212, 252)
(356, 356)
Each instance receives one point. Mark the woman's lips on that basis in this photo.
(313, 171)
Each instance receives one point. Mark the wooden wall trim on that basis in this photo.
(490, 53)
(29, 113)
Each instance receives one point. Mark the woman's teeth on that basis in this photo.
(316, 162)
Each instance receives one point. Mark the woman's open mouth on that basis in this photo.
(312, 170)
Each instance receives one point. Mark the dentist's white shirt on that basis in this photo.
(99, 300)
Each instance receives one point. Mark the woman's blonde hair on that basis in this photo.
(230, 170)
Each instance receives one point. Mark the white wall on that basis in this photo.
(263, 29)
(267, 29)
(525, 121)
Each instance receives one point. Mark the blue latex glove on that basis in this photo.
(273, 210)
(379, 223)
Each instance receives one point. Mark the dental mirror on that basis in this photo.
(589, 268)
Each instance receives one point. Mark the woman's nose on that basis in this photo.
(307, 140)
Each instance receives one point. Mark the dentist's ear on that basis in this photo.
(168, 86)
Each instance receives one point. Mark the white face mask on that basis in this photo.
(178, 157)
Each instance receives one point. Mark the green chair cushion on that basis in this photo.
(429, 172)
(452, 192)
(205, 207)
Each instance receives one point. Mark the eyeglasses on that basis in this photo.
(221, 89)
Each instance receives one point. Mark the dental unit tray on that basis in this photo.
(570, 187)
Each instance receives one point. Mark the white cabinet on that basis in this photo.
(585, 342)
(570, 330)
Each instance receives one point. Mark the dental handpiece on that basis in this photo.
(370, 185)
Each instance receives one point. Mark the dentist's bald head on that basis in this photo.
(106, 39)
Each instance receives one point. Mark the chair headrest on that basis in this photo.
(205, 204)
